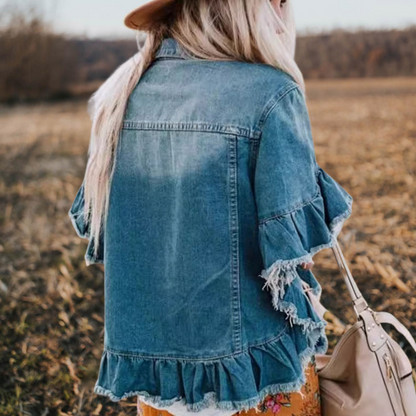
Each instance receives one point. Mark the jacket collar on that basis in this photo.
(170, 47)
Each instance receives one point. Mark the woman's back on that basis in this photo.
(182, 222)
(216, 192)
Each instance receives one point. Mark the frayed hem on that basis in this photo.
(283, 272)
(314, 331)
(211, 398)
(337, 223)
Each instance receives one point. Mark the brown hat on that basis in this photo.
(145, 16)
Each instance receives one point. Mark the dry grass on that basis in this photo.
(51, 304)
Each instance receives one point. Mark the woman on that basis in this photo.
(201, 191)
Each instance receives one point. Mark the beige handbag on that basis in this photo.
(368, 374)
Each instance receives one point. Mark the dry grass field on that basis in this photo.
(51, 304)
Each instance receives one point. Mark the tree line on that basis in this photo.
(37, 63)
(363, 54)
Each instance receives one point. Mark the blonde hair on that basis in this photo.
(244, 30)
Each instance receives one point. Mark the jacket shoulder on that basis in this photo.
(254, 88)
(219, 93)
(264, 78)
(272, 84)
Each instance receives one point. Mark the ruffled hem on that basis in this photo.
(233, 382)
(291, 239)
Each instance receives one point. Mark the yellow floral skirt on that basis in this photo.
(305, 403)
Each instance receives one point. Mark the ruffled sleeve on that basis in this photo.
(81, 225)
(293, 237)
(301, 208)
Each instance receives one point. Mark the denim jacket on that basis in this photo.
(216, 200)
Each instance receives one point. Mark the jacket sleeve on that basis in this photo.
(301, 209)
(82, 227)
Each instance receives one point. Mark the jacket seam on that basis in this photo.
(295, 208)
(192, 126)
(253, 155)
(234, 245)
(271, 105)
(167, 55)
(218, 357)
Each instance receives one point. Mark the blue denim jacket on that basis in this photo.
(216, 200)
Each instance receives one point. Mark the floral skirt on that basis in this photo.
(305, 403)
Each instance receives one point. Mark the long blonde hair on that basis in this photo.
(244, 30)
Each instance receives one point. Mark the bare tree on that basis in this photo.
(35, 62)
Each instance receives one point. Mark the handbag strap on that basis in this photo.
(387, 318)
(359, 303)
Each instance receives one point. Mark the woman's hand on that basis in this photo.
(307, 266)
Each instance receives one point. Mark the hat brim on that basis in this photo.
(145, 16)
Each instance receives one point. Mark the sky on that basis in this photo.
(104, 18)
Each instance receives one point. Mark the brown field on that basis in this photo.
(51, 304)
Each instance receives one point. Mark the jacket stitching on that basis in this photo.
(273, 103)
(169, 55)
(218, 357)
(192, 126)
(295, 208)
(253, 157)
(235, 273)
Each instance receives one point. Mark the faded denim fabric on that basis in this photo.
(216, 200)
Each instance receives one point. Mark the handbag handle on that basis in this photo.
(358, 301)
